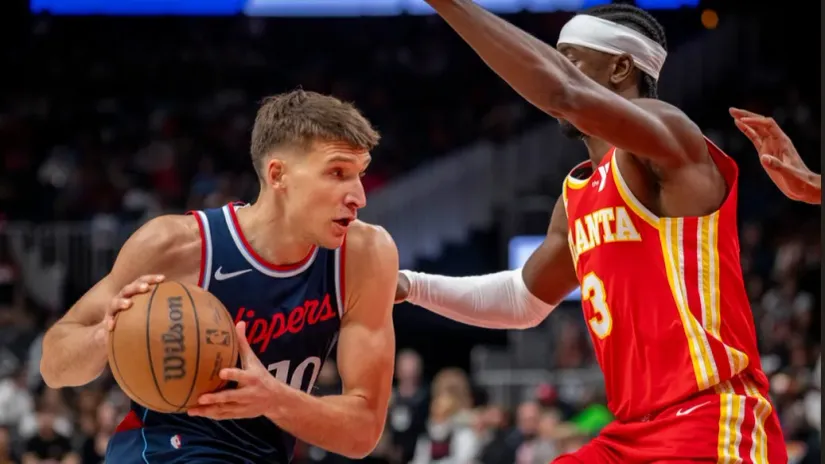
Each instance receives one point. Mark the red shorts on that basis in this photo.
(730, 424)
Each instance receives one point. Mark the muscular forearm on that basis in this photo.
(532, 68)
(71, 355)
(493, 301)
(340, 424)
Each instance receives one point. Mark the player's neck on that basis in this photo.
(596, 149)
(270, 234)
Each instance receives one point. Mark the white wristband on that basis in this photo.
(493, 301)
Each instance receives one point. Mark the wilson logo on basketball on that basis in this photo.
(174, 364)
(261, 331)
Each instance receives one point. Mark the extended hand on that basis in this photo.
(254, 391)
(779, 157)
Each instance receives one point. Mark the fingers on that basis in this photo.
(750, 133)
(235, 395)
(123, 300)
(740, 113)
(241, 376)
(772, 163)
(766, 127)
(244, 349)
(141, 285)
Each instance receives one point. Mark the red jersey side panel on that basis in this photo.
(663, 297)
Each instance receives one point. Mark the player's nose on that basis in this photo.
(357, 198)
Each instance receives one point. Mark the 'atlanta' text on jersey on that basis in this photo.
(663, 297)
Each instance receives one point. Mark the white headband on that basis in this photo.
(615, 39)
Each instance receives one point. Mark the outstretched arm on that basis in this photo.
(516, 299)
(779, 157)
(647, 128)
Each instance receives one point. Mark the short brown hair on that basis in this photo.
(301, 117)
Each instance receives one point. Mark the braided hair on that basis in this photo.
(641, 21)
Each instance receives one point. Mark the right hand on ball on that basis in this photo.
(123, 301)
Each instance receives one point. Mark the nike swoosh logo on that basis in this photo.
(221, 276)
(683, 412)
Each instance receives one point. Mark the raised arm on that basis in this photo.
(550, 81)
(516, 299)
(351, 423)
(74, 348)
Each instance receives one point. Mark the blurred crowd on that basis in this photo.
(137, 128)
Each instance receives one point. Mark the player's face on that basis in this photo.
(324, 191)
(595, 65)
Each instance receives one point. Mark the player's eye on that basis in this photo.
(337, 172)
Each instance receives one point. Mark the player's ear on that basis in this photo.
(620, 68)
(275, 170)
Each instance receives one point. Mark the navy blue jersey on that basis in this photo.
(293, 316)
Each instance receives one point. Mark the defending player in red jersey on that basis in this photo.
(647, 227)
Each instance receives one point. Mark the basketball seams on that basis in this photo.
(152, 334)
(197, 349)
(149, 348)
(113, 364)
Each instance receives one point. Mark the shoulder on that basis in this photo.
(683, 130)
(166, 230)
(370, 245)
(167, 238)
(371, 263)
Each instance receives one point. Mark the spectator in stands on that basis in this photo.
(546, 448)
(454, 382)
(499, 443)
(527, 427)
(448, 438)
(47, 444)
(408, 408)
(16, 402)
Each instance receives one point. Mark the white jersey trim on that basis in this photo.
(206, 243)
(230, 224)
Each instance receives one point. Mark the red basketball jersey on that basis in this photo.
(664, 298)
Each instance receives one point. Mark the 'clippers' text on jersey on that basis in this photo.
(293, 316)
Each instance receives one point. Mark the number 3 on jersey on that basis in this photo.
(593, 291)
(280, 370)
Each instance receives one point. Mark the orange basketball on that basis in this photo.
(168, 348)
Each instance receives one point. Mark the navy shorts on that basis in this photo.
(159, 446)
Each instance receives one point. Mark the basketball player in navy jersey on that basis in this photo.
(298, 273)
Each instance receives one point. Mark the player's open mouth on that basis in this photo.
(345, 222)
